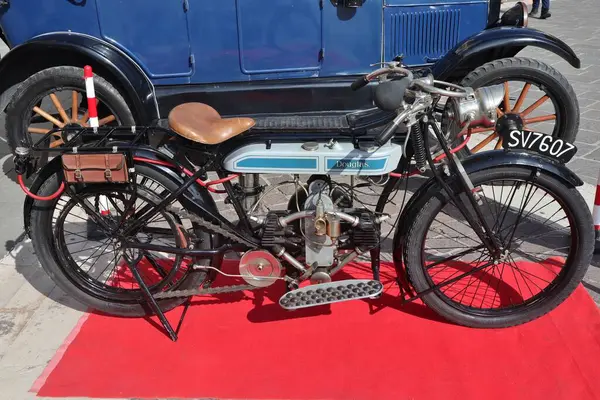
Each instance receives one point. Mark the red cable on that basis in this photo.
(35, 196)
(454, 150)
(397, 175)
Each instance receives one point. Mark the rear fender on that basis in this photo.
(194, 199)
(496, 43)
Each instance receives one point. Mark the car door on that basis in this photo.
(153, 32)
(352, 36)
(241, 40)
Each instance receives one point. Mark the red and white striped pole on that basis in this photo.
(596, 215)
(88, 75)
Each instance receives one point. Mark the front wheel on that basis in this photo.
(546, 235)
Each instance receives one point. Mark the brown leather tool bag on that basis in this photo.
(95, 168)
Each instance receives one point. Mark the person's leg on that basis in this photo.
(545, 9)
(535, 7)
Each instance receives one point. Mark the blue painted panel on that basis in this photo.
(278, 35)
(425, 33)
(213, 29)
(278, 163)
(26, 19)
(351, 38)
(154, 32)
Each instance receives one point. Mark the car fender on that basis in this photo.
(496, 43)
(76, 49)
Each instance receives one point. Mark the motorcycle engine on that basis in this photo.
(320, 231)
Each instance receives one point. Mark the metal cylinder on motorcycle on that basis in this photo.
(250, 184)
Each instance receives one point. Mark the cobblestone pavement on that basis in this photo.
(35, 316)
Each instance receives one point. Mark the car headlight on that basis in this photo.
(518, 16)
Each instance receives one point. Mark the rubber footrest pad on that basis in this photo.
(331, 292)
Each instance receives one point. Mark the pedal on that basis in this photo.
(330, 292)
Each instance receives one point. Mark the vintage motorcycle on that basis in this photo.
(124, 218)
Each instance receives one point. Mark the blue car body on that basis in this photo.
(254, 56)
(194, 41)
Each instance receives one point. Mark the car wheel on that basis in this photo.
(538, 94)
(55, 98)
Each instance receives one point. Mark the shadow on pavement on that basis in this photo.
(20, 253)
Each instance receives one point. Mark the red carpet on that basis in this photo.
(243, 346)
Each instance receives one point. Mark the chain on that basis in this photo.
(211, 227)
(199, 292)
(215, 229)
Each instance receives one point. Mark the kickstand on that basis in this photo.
(152, 302)
(375, 262)
(185, 308)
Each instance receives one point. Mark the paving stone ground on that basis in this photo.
(36, 317)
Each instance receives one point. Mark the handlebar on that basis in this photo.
(426, 84)
(359, 83)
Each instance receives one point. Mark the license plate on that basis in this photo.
(539, 143)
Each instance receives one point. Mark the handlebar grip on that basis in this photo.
(386, 135)
(359, 83)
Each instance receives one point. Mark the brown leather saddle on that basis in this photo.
(201, 123)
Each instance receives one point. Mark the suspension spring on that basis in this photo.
(419, 147)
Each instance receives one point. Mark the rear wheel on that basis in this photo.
(93, 269)
(542, 98)
(546, 235)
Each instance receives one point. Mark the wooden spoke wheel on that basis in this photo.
(532, 115)
(539, 95)
(50, 113)
(55, 98)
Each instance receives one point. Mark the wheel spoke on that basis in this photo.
(540, 119)
(484, 142)
(106, 120)
(74, 105)
(535, 105)
(480, 130)
(48, 117)
(506, 98)
(521, 98)
(59, 108)
(498, 145)
(56, 143)
(83, 121)
(38, 130)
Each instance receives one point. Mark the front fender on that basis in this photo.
(496, 43)
(76, 49)
(489, 159)
(477, 162)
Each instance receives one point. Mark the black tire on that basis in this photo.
(45, 248)
(574, 269)
(555, 84)
(41, 84)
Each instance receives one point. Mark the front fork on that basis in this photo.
(479, 224)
